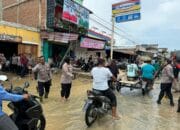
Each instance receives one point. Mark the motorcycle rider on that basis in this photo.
(148, 74)
(5, 121)
(101, 75)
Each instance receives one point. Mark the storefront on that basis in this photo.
(90, 46)
(93, 44)
(56, 44)
(9, 44)
(15, 40)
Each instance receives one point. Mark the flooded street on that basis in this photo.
(138, 112)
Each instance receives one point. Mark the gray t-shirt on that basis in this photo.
(43, 72)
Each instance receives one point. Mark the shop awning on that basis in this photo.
(125, 51)
(59, 37)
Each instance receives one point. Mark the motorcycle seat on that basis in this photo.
(97, 93)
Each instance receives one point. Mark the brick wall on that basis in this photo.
(8, 2)
(10, 15)
(43, 15)
(28, 12)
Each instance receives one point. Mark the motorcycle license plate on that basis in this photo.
(87, 104)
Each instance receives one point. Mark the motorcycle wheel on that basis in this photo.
(90, 115)
(41, 123)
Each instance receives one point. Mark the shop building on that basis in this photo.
(23, 19)
(67, 21)
(95, 44)
(15, 40)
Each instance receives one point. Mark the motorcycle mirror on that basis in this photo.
(26, 84)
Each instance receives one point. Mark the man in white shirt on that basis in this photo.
(101, 76)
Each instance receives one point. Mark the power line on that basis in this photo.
(115, 26)
(114, 31)
(110, 28)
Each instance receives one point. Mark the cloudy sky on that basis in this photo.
(160, 22)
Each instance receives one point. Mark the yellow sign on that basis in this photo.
(135, 7)
(29, 37)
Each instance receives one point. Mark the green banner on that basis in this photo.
(79, 1)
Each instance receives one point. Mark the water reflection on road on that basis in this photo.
(138, 112)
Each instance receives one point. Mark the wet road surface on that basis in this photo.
(138, 112)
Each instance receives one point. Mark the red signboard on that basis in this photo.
(70, 11)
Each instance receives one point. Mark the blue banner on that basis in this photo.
(128, 17)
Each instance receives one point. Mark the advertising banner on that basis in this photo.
(70, 11)
(126, 6)
(75, 13)
(84, 17)
(50, 13)
(79, 1)
(91, 43)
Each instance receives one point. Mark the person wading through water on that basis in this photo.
(44, 77)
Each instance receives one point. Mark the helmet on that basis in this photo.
(3, 78)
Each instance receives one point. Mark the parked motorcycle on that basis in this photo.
(27, 114)
(95, 106)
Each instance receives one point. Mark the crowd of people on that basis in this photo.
(19, 64)
(103, 76)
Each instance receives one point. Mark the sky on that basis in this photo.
(159, 24)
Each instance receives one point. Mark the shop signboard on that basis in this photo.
(51, 13)
(126, 6)
(59, 37)
(91, 43)
(128, 17)
(75, 13)
(79, 1)
(70, 11)
(83, 17)
(10, 38)
(97, 35)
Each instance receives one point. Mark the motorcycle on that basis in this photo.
(95, 106)
(27, 114)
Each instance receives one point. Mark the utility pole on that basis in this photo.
(1, 11)
(112, 37)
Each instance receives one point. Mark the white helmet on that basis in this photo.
(3, 78)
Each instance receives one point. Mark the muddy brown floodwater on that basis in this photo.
(138, 112)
